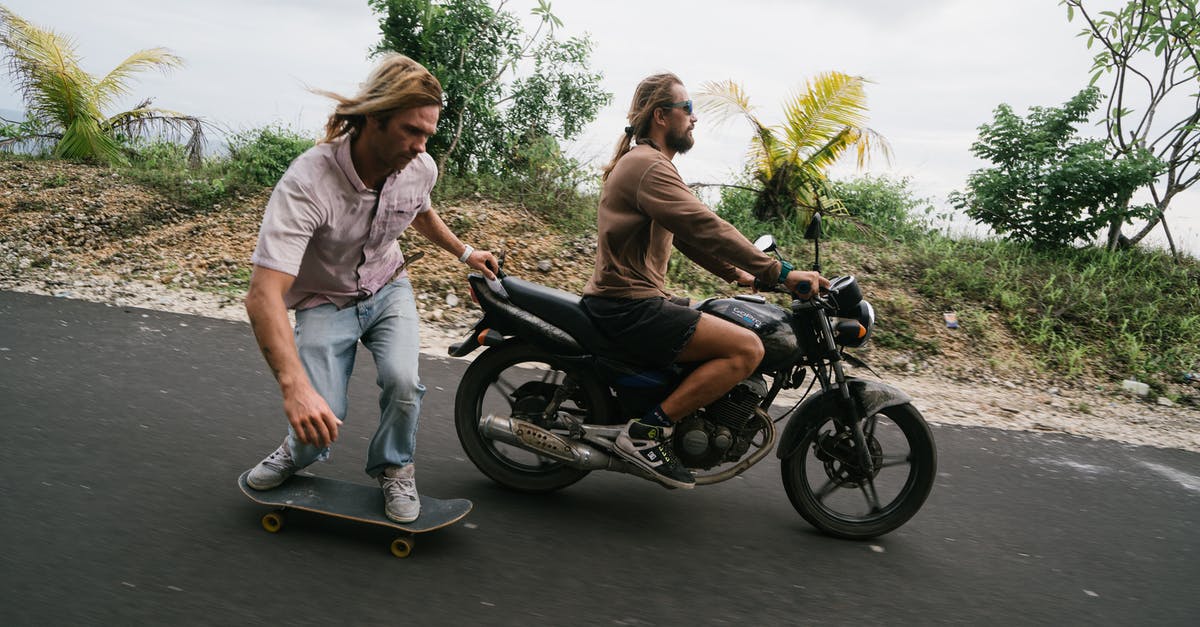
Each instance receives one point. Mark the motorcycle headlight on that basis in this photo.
(853, 327)
(846, 295)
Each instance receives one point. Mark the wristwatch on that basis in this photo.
(784, 269)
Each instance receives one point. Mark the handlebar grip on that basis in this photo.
(762, 286)
(804, 287)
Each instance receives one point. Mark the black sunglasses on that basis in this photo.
(686, 105)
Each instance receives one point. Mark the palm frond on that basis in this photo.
(84, 139)
(45, 70)
(821, 158)
(789, 160)
(145, 121)
(725, 100)
(863, 141)
(66, 100)
(116, 82)
(872, 142)
(828, 103)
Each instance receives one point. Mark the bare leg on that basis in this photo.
(730, 354)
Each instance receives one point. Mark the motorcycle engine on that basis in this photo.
(718, 433)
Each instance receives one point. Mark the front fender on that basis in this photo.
(872, 397)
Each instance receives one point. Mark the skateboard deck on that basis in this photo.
(352, 501)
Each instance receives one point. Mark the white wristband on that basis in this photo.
(466, 253)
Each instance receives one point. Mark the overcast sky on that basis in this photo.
(938, 67)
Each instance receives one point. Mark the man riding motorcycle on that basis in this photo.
(645, 209)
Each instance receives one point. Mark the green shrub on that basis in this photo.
(879, 206)
(736, 206)
(872, 208)
(262, 155)
(163, 166)
(257, 158)
(158, 155)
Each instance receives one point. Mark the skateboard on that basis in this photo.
(352, 501)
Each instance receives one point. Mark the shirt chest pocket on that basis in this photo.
(392, 220)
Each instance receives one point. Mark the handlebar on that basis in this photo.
(803, 287)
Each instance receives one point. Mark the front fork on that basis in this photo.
(850, 416)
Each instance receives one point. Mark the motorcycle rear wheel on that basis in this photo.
(827, 486)
(519, 380)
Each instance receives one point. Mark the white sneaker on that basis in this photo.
(274, 470)
(401, 501)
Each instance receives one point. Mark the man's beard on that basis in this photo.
(680, 142)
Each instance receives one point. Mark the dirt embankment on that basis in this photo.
(86, 232)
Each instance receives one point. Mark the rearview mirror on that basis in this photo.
(766, 243)
(814, 231)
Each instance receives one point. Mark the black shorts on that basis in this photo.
(655, 330)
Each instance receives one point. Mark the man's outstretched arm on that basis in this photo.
(307, 412)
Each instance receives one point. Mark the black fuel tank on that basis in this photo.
(772, 323)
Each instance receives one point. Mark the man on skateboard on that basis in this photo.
(327, 249)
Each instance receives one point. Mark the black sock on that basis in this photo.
(657, 417)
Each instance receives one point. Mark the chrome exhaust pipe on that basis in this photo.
(532, 438)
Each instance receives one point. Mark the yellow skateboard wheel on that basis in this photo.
(273, 522)
(402, 547)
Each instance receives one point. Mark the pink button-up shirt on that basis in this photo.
(325, 227)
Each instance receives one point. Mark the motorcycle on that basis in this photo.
(542, 406)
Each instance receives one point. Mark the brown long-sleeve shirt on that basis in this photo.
(645, 208)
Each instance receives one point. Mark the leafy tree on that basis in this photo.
(789, 160)
(66, 105)
(1050, 188)
(491, 114)
(1150, 49)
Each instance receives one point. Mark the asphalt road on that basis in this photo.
(124, 431)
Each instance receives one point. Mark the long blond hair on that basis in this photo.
(396, 83)
(651, 94)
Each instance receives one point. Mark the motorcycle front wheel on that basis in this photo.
(519, 380)
(829, 486)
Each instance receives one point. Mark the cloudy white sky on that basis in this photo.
(939, 67)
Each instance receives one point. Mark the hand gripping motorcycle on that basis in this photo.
(541, 407)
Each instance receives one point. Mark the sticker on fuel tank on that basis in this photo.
(747, 318)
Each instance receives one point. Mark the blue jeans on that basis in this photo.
(327, 339)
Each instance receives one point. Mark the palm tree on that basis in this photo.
(789, 160)
(65, 104)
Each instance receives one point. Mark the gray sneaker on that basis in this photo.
(402, 504)
(273, 470)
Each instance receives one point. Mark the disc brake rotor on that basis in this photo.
(840, 457)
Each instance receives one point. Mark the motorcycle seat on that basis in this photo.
(565, 311)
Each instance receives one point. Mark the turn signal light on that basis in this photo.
(488, 337)
(850, 333)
